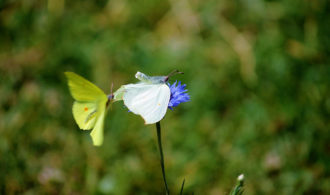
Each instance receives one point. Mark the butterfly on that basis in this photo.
(89, 107)
(148, 98)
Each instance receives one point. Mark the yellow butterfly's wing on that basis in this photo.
(90, 106)
(83, 90)
(97, 132)
(90, 115)
(85, 114)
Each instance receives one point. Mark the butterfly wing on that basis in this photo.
(148, 100)
(97, 132)
(85, 114)
(90, 105)
(83, 90)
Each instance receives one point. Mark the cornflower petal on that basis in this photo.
(178, 94)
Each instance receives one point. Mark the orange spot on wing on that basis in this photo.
(85, 108)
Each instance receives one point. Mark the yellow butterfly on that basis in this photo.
(90, 105)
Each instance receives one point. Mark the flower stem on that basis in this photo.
(238, 189)
(161, 155)
(181, 192)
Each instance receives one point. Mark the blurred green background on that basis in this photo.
(257, 72)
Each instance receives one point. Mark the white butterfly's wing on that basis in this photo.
(148, 100)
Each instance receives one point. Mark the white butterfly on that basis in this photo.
(148, 98)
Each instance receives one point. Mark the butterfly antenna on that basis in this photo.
(111, 88)
(174, 72)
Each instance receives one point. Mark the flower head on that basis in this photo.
(178, 94)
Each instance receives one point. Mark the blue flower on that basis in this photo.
(178, 94)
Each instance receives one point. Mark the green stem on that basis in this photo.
(238, 189)
(161, 156)
(181, 192)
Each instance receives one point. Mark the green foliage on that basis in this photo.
(257, 72)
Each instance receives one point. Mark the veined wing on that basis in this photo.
(148, 100)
